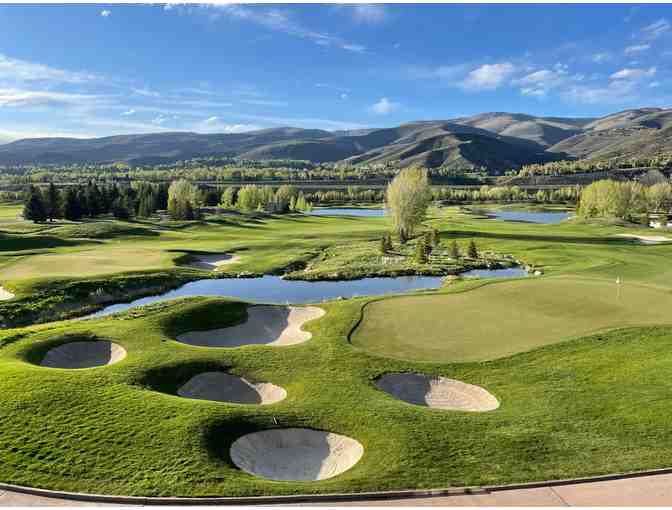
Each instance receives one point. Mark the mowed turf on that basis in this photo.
(500, 319)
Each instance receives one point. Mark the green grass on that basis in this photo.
(501, 319)
(569, 406)
(591, 406)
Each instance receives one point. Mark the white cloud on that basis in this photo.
(384, 106)
(488, 76)
(17, 98)
(344, 96)
(21, 71)
(215, 125)
(633, 73)
(264, 102)
(369, 13)
(636, 49)
(129, 112)
(277, 20)
(105, 13)
(159, 119)
(656, 29)
(601, 57)
(144, 91)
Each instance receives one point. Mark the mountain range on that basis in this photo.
(496, 141)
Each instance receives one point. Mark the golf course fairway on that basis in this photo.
(504, 318)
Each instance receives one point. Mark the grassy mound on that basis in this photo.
(590, 406)
(501, 319)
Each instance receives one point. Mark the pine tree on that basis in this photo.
(454, 250)
(421, 251)
(51, 203)
(34, 208)
(72, 208)
(472, 251)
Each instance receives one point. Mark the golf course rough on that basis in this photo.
(295, 454)
(84, 354)
(223, 387)
(265, 325)
(437, 392)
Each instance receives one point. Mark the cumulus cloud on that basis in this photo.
(105, 13)
(636, 49)
(488, 76)
(214, 124)
(384, 106)
(129, 112)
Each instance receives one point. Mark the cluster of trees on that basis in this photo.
(351, 194)
(624, 200)
(568, 194)
(76, 202)
(264, 198)
(566, 167)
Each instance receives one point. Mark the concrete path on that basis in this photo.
(639, 491)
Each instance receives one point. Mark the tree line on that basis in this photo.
(624, 200)
(568, 167)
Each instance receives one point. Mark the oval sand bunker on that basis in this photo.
(223, 387)
(214, 261)
(265, 325)
(437, 392)
(84, 355)
(295, 454)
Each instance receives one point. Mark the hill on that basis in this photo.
(496, 141)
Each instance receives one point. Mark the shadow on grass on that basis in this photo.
(540, 238)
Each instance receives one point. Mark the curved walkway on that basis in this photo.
(629, 490)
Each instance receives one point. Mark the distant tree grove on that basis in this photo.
(623, 200)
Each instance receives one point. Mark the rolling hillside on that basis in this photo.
(496, 141)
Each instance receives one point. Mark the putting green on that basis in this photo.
(505, 318)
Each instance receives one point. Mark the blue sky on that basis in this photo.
(97, 70)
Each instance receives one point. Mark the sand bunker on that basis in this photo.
(437, 392)
(265, 325)
(295, 454)
(223, 387)
(213, 262)
(84, 355)
(5, 294)
(647, 239)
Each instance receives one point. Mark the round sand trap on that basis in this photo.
(265, 325)
(437, 392)
(295, 454)
(213, 262)
(223, 387)
(646, 239)
(84, 355)
(5, 295)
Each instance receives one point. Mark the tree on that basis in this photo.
(72, 208)
(34, 208)
(228, 198)
(121, 209)
(407, 198)
(182, 200)
(472, 250)
(454, 250)
(386, 243)
(51, 202)
(421, 251)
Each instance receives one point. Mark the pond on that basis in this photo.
(346, 211)
(543, 217)
(275, 290)
(510, 272)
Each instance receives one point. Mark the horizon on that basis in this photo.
(232, 68)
